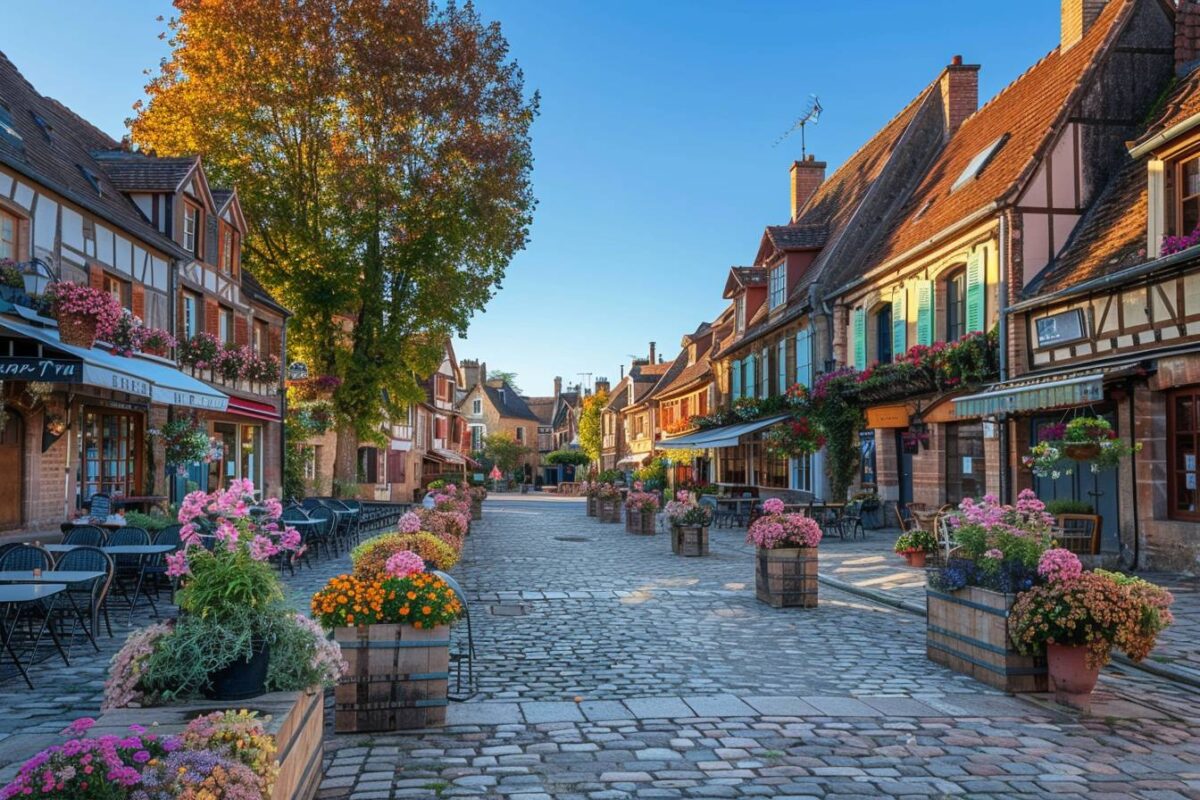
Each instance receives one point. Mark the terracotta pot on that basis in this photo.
(917, 559)
(907, 558)
(1081, 452)
(1070, 676)
(77, 330)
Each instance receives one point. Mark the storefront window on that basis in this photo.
(1183, 451)
(776, 474)
(251, 454)
(110, 456)
(223, 470)
(733, 463)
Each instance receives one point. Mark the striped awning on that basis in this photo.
(1033, 394)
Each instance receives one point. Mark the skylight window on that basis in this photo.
(979, 163)
(7, 131)
(91, 178)
(43, 126)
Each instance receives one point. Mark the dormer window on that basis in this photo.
(777, 286)
(192, 227)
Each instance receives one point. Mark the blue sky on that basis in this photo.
(656, 163)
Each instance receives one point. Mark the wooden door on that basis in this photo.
(12, 451)
(964, 461)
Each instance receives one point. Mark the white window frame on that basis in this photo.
(777, 286)
(801, 473)
(191, 220)
(477, 406)
(191, 314)
(740, 312)
(225, 324)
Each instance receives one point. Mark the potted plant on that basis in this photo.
(689, 523)
(915, 546)
(1077, 618)
(185, 440)
(370, 558)
(83, 313)
(608, 503)
(156, 341)
(969, 599)
(200, 351)
(395, 632)
(640, 510)
(1082, 439)
(786, 557)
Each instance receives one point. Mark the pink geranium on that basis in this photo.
(404, 563)
(773, 506)
(1059, 564)
(784, 530)
(409, 523)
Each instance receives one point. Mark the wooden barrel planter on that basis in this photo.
(786, 577)
(609, 510)
(967, 631)
(689, 541)
(397, 678)
(640, 522)
(591, 505)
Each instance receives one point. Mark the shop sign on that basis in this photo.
(51, 370)
(887, 416)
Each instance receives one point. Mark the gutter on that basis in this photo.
(1106, 281)
(1162, 137)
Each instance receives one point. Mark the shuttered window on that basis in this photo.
(735, 380)
(804, 358)
(976, 280)
(368, 465)
(899, 323)
(860, 338)
(924, 290)
(781, 365)
(748, 378)
(956, 305)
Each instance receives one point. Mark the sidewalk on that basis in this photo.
(872, 570)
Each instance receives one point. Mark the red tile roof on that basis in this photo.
(1029, 111)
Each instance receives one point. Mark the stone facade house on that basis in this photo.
(491, 407)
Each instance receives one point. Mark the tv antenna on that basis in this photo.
(811, 113)
(587, 376)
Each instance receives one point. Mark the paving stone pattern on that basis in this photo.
(627, 672)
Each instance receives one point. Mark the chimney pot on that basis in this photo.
(956, 61)
(652, 349)
(960, 93)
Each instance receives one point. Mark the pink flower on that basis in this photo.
(262, 548)
(993, 553)
(409, 523)
(1059, 564)
(79, 726)
(404, 563)
(290, 539)
(177, 564)
(773, 506)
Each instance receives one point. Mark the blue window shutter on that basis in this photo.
(751, 384)
(860, 338)
(735, 372)
(976, 295)
(924, 312)
(899, 323)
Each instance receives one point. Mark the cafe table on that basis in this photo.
(739, 507)
(67, 576)
(15, 600)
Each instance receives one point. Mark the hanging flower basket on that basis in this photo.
(77, 331)
(82, 312)
(1082, 439)
(794, 438)
(1081, 452)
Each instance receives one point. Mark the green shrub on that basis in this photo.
(1069, 506)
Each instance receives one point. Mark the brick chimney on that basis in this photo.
(652, 350)
(960, 92)
(602, 385)
(557, 386)
(1187, 37)
(807, 177)
(1077, 17)
(482, 373)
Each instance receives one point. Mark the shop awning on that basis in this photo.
(445, 456)
(141, 376)
(1033, 394)
(634, 460)
(725, 436)
(254, 409)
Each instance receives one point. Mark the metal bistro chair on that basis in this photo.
(343, 519)
(457, 655)
(155, 567)
(85, 536)
(99, 506)
(94, 593)
(907, 521)
(356, 518)
(30, 557)
(1079, 533)
(710, 502)
(325, 534)
(851, 521)
(130, 570)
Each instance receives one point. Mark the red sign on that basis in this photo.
(495, 474)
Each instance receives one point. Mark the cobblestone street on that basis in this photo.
(609, 668)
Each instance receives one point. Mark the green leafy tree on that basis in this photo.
(591, 433)
(576, 458)
(504, 451)
(381, 151)
(504, 375)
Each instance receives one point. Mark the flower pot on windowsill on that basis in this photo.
(77, 331)
(1070, 676)
(1081, 452)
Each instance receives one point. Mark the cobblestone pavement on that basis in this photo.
(611, 669)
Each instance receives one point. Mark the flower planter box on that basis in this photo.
(640, 522)
(476, 509)
(591, 506)
(297, 722)
(689, 541)
(967, 631)
(609, 510)
(786, 577)
(396, 680)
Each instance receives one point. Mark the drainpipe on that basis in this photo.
(283, 444)
(1137, 532)
(1002, 293)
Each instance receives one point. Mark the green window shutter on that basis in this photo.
(924, 312)
(860, 338)
(899, 323)
(976, 296)
(735, 374)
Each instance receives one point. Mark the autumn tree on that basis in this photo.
(504, 451)
(381, 151)
(591, 434)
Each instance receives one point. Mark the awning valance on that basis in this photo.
(634, 460)
(1033, 394)
(253, 409)
(725, 436)
(141, 376)
(445, 456)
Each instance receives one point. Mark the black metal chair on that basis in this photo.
(850, 521)
(86, 536)
(459, 655)
(21, 558)
(26, 557)
(93, 593)
(356, 514)
(129, 569)
(155, 567)
(326, 533)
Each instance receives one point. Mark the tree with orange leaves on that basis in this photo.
(381, 150)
